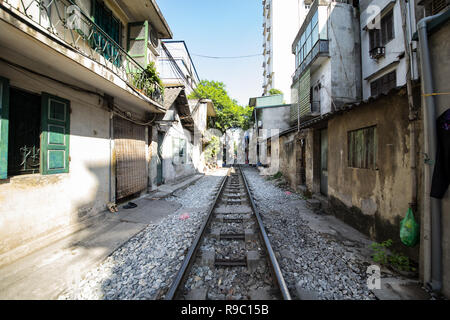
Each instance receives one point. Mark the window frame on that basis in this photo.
(364, 158)
(383, 84)
(379, 37)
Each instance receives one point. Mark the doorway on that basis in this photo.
(324, 161)
(129, 149)
(159, 159)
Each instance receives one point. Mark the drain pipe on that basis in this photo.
(430, 118)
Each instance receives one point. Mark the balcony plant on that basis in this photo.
(149, 82)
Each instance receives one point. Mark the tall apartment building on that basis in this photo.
(281, 21)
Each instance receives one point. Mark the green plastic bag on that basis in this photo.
(409, 230)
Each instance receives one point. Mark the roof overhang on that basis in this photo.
(210, 110)
(141, 10)
(177, 96)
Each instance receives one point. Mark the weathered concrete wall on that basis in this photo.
(345, 52)
(199, 115)
(288, 156)
(275, 118)
(373, 201)
(37, 207)
(175, 167)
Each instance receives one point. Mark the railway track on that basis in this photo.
(231, 257)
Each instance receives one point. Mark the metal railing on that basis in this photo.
(65, 20)
(320, 47)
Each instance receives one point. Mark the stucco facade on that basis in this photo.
(39, 208)
(374, 200)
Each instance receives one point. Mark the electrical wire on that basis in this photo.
(235, 57)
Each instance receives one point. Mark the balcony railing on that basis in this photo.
(377, 52)
(65, 20)
(321, 47)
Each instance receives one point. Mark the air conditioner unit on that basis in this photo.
(377, 52)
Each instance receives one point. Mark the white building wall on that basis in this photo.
(323, 76)
(175, 168)
(344, 46)
(38, 207)
(392, 49)
(283, 22)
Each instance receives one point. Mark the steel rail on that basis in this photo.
(191, 255)
(273, 261)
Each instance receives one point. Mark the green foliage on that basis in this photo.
(273, 92)
(212, 149)
(395, 260)
(146, 81)
(400, 262)
(229, 113)
(276, 176)
(380, 251)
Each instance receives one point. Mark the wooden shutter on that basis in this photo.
(55, 134)
(138, 41)
(4, 124)
(130, 157)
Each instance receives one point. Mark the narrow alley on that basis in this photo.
(226, 158)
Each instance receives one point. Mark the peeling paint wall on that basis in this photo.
(373, 201)
(288, 156)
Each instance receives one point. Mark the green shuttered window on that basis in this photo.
(112, 26)
(4, 116)
(55, 134)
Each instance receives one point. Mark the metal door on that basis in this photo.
(159, 158)
(324, 161)
(129, 150)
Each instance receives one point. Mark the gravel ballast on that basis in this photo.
(148, 262)
(313, 264)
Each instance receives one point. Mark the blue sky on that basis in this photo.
(221, 28)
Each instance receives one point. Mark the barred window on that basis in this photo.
(383, 84)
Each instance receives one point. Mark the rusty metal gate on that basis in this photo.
(130, 160)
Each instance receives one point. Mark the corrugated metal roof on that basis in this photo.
(170, 95)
